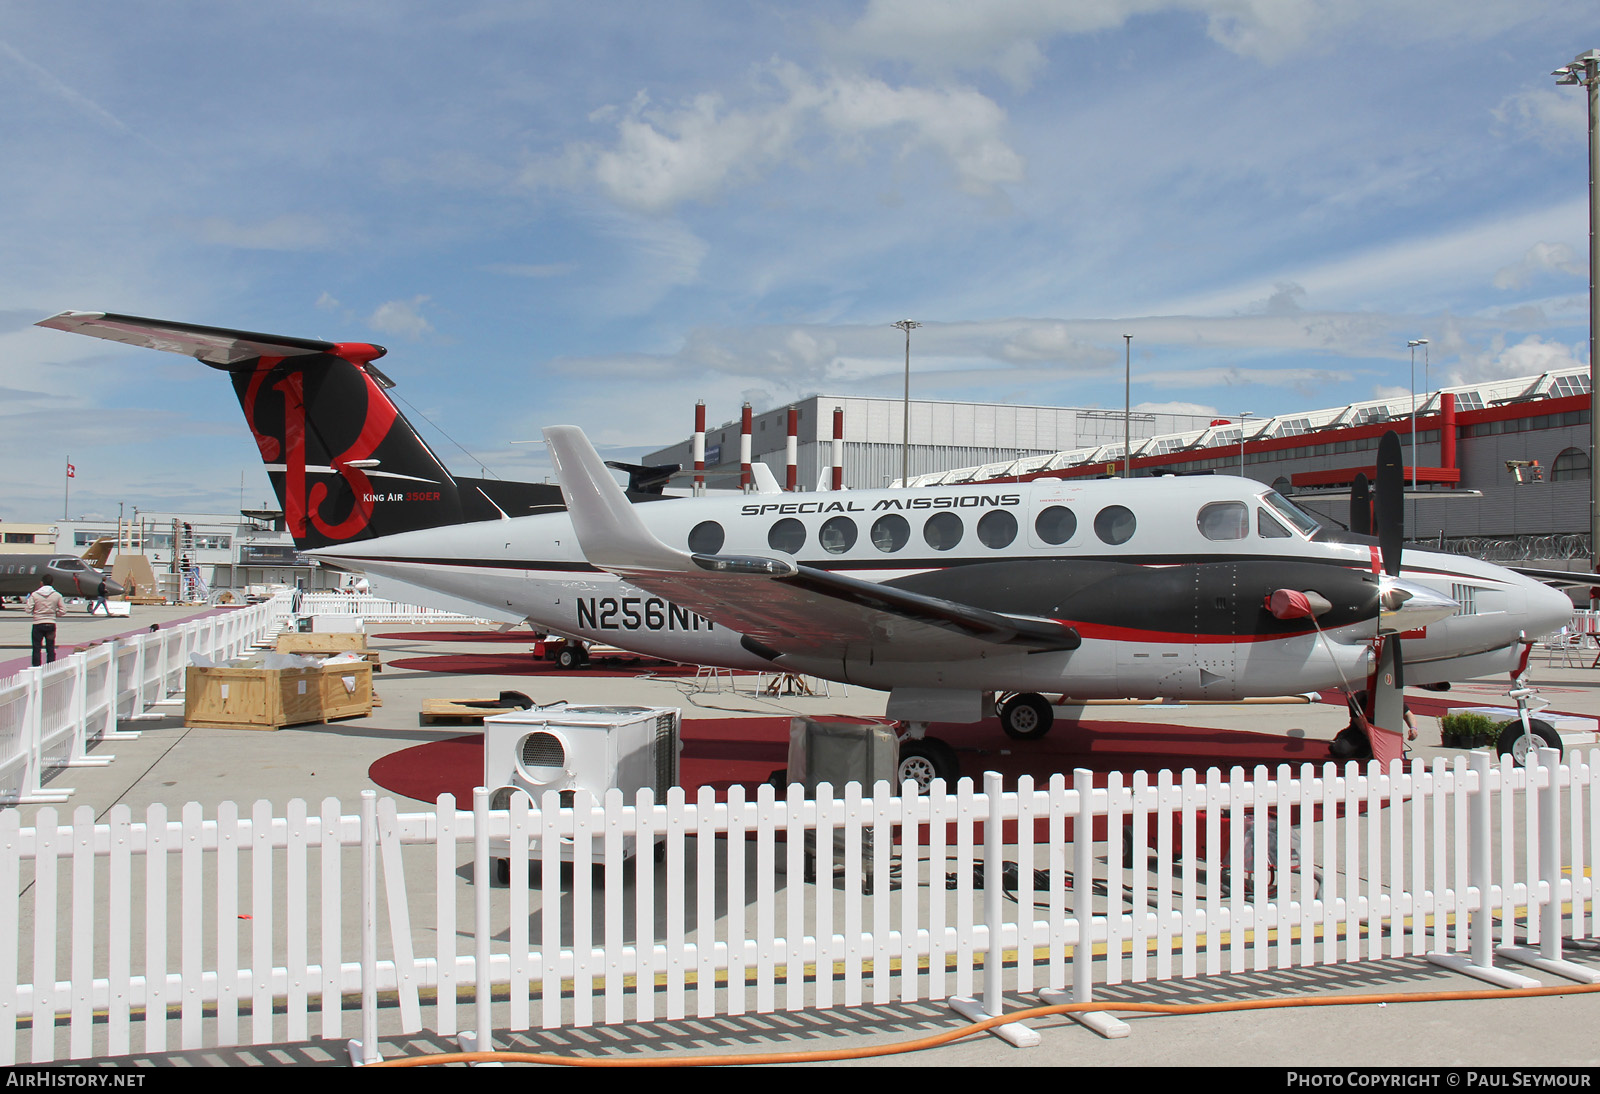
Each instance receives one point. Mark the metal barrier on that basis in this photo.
(50, 715)
(772, 904)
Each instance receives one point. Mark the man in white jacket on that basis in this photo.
(47, 606)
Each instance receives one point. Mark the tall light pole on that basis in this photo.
(1414, 343)
(907, 325)
(1243, 414)
(1127, 408)
(1585, 70)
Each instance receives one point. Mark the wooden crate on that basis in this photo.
(229, 698)
(291, 642)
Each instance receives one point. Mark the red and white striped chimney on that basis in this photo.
(792, 452)
(699, 448)
(746, 478)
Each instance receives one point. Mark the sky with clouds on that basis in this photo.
(597, 214)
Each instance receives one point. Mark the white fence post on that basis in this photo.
(1479, 962)
(365, 1050)
(481, 1037)
(1545, 778)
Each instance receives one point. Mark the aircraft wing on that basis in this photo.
(780, 607)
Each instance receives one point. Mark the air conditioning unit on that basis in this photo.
(572, 748)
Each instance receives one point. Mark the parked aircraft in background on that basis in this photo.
(950, 599)
(70, 576)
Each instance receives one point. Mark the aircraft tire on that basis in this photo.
(1516, 744)
(1026, 717)
(570, 658)
(923, 761)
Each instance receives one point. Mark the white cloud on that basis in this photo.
(1556, 117)
(1541, 258)
(664, 157)
(1529, 357)
(961, 123)
(401, 317)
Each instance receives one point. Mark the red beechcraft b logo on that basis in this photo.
(301, 504)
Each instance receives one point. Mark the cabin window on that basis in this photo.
(1267, 526)
(1115, 524)
(942, 531)
(787, 535)
(997, 529)
(1224, 520)
(837, 535)
(890, 533)
(706, 538)
(1056, 525)
(1291, 513)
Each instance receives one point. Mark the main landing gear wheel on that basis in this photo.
(1519, 745)
(1026, 717)
(572, 657)
(922, 761)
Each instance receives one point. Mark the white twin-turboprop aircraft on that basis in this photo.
(1208, 587)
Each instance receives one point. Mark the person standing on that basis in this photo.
(99, 601)
(46, 606)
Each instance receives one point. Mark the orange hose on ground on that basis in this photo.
(934, 1040)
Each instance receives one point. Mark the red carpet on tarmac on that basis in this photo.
(525, 637)
(524, 664)
(721, 752)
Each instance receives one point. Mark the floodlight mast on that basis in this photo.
(907, 325)
(1585, 70)
(1414, 343)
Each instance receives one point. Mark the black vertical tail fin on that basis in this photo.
(345, 463)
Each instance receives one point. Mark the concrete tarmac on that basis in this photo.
(173, 764)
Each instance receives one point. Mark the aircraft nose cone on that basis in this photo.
(113, 588)
(1548, 609)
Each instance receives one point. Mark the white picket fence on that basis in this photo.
(372, 609)
(235, 929)
(49, 716)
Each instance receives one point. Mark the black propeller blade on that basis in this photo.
(1391, 502)
(1388, 692)
(1361, 505)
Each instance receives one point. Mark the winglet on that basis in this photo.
(609, 529)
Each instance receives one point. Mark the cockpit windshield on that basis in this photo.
(1302, 521)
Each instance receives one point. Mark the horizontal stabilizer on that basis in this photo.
(217, 346)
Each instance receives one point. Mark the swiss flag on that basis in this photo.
(72, 472)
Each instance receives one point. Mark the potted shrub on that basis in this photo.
(1467, 729)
